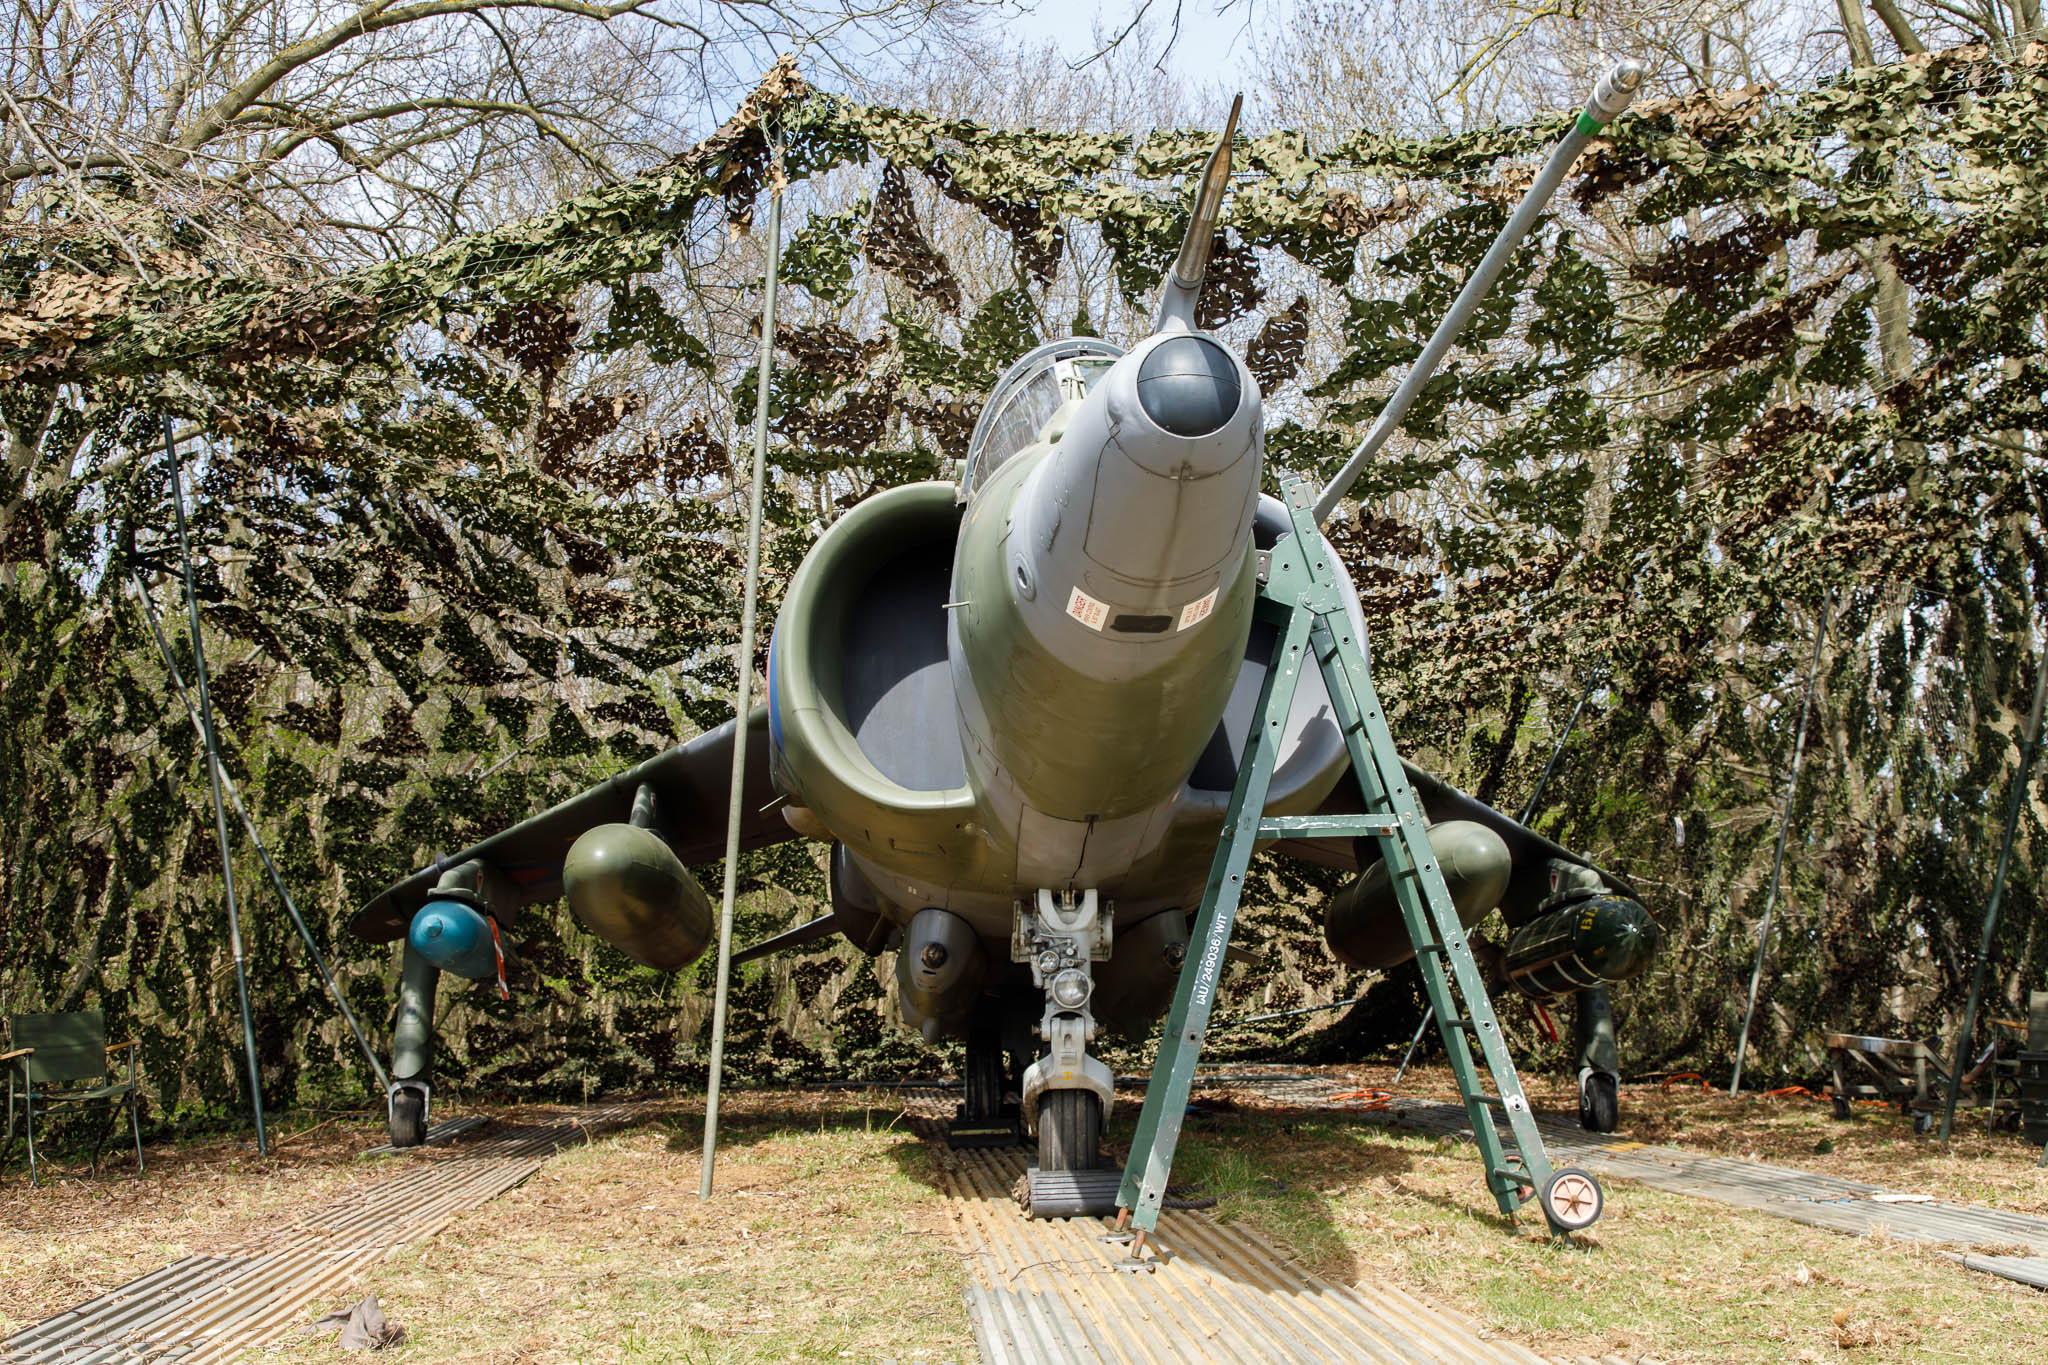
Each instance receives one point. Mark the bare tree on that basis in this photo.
(383, 124)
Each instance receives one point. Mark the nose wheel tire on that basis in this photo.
(1572, 1200)
(1069, 1130)
(408, 1118)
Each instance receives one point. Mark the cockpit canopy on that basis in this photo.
(1028, 395)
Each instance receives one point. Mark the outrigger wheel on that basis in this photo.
(1572, 1200)
(1599, 1102)
(408, 1117)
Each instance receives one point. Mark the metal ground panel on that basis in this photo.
(206, 1310)
(441, 1132)
(1052, 1291)
(2031, 1270)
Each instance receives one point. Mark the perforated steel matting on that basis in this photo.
(1052, 1291)
(207, 1309)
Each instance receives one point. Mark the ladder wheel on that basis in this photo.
(1599, 1103)
(1069, 1130)
(1572, 1200)
(408, 1118)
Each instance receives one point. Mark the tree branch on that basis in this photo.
(1901, 31)
(372, 18)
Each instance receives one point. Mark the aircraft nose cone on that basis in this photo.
(1188, 386)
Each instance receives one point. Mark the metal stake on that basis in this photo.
(1413, 1043)
(215, 772)
(745, 662)
(1763, 938)
(1528, 809)
(163, 645)
(2012, 820)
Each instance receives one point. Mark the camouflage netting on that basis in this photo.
(467, 522)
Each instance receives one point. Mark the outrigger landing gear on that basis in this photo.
(412, 1051)
(1067, 1093)
(1599, 1061)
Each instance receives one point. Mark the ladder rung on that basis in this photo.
(1429, 947)
(1466, 1024)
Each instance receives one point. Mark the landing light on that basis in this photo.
(1070, 989)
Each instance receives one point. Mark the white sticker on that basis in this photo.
(1197, 610)
(1087, 610)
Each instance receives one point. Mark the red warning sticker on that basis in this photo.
(1087, 610)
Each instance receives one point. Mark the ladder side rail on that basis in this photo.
(1143, 1189)
(1431, 918)
(1426, 908)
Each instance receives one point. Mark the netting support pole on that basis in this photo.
(215, 774)
(744, 662)
(2012, 822)
(234, 795)
(1763, 936)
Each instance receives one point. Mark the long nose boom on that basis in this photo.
(1183, 287)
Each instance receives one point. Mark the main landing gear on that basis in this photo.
(986, 1118)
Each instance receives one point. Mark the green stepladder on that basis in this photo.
(1300, 596)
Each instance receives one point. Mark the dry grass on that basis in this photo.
(1877, 1146)
(825, 1242)
(1681, 1279)
(79, 1236)
(828, 1242)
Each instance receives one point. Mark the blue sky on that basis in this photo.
(1213, 47)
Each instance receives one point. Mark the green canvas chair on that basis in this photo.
(58, 1059)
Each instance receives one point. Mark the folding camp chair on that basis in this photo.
(53, 1058)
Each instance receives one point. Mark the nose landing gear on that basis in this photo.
(1067, 1093)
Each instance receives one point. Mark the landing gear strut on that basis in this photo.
(412, 1050)
(1067, 1093)
(1599, 1062)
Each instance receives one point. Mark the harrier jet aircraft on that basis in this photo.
(1013, 705)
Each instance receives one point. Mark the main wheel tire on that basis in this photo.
(1069, 1130)
(1599, 1102)
(408, 1118)
(983, 1081)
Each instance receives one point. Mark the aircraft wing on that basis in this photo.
(693, 787)
(1441, 801)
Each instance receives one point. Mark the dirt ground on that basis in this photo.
(827, 1240)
